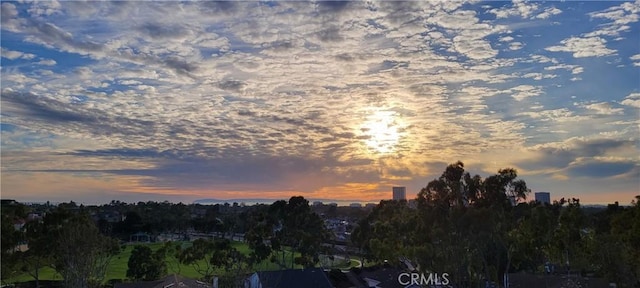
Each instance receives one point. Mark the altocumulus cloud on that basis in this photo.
(345, 98)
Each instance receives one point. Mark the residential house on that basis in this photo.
(308, 278)
(173, 281)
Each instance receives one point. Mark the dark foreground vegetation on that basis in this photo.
(477, 230)
(471, 228)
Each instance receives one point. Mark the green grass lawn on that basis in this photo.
(118, 265)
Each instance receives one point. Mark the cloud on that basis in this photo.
(556, 115)
(13, 55)
(604, 108)
(520, 8)
(524, 91)
(548, 12)
(583, 47)
(632, 100)
(602, 169)
(506, 39)
(515, 46)
(47, 62)
(620, 16)
(158, 31)
(9, 15)
(636, 59)
(564, 157)
(174, 170)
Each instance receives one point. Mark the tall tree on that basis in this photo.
(285, 225)
(462, 225)
(208, 256)
(391, 226)
(625, 230)
(198, 255)
(568, 236)
(361, 237)
(10, 239)
(532, 236)
(145, 264)
(229, 259)
(82, 254)
(40, 250)
(260, 236)
(302, 230)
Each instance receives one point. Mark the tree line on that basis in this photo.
(478, 229)
(79, 248)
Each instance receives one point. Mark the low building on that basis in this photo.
(370, 205)
(140, 237)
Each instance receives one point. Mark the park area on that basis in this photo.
(118, 265)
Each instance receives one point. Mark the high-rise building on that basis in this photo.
(543, 197)
(399, 193)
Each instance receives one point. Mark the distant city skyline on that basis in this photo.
(179, 101)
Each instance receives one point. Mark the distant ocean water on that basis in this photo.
(250, 202)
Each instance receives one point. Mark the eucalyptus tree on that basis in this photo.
(287, 225)
(261, 234)
(393, 223)
(465, 223)
(361, 237)
(302, 230)
(625, 231)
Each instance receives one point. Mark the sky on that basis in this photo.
(178, 101)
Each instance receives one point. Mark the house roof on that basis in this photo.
(171, 281)
(309, 278)
(554, 281)
(386, 277)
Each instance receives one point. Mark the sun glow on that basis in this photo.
(381, 127)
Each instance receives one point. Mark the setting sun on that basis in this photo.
(382, 129)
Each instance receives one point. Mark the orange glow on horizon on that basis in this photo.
(38, 186)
